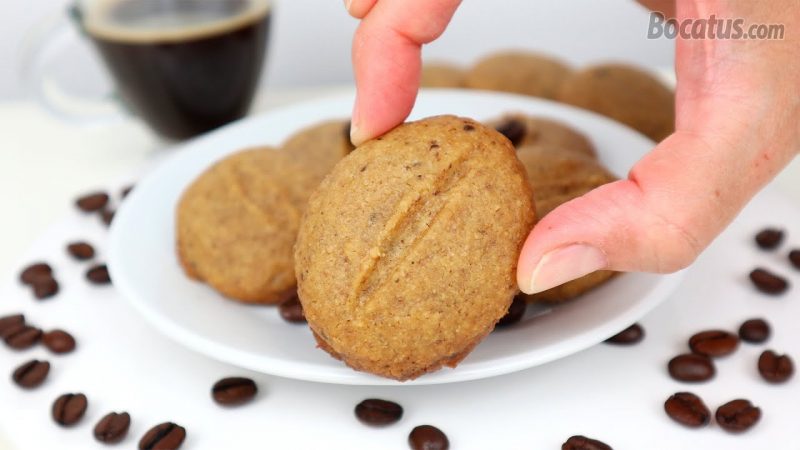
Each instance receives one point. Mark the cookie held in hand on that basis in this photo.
(407, 252)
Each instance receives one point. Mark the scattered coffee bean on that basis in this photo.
(31, 374)
(769, 238)
(10, 323)
(515, 312)
(714, 343)
(629, 336)
(107, 216)
(687, 409)
(234, 391)
(58, 341)
(80, 250)
(68, 409)
(35, 271)
(512, 129)
(12, 329)
(292, 311)
(98, 274)
(23, 337)
(378, 413)
(691, 367)
(767, 282)
(45, 287)
(127, 189)
(165, 436)
(584, 443)
(428, 437)
(92, 202)
(775, 368)
(794, 258)
(754, 331)
(112, 428)
(737, 415)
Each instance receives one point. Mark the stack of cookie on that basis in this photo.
(562, 165)
(622, 92)
(237, 222)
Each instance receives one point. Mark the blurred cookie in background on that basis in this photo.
(320, 146)
(519, 72)
(439, 74)
(625, 94)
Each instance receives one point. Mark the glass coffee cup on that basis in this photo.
(183, 66)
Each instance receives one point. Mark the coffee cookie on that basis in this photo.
(533, 131)
(625, 94)
(407, 253)
(518, 72)
(441, 75)
(236, 225)
(319, 147)
(558, 176)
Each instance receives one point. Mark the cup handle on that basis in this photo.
(49, 38)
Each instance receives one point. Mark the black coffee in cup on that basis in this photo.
(184, 66)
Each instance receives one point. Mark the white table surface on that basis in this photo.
(614, 394)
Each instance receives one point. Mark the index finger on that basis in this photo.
(386, 61)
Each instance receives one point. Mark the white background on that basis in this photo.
(310, 44)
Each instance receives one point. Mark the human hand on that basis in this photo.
(737, 125)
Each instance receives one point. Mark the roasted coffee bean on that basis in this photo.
(58, 341)
(92, 202)
(107, 216)
(629, 336)
(769, 238)
(378, 413)
(112, 428)
(127, 189)
(515, 312)
(10, 323)
(767, 282)
(23, 337)
(292, 311)
(45, 287)
(165, 436)
(35, 271)
(775, 368)
(234, 391)
(584, 443)
(98, 274)
(714, 343)
(31, 374)
(687, 409)
(13, 328)
(755, 331)
(794, 258)
(428, 437)
(80, 250)
(691, 367)
(737, 415)
(68, 409)
(512, 129)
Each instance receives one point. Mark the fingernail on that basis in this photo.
(356, 136)
(347, 4)
(565, 264)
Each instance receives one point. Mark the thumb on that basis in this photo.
(671, 206)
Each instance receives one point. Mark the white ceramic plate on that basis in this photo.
(144, 267)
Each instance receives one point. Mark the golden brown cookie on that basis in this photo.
(407, 252)
(625, 94)
(534, 131)
(558, 176)
(518, 72)
(319, 147)
(236, 225)
(442, 75)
